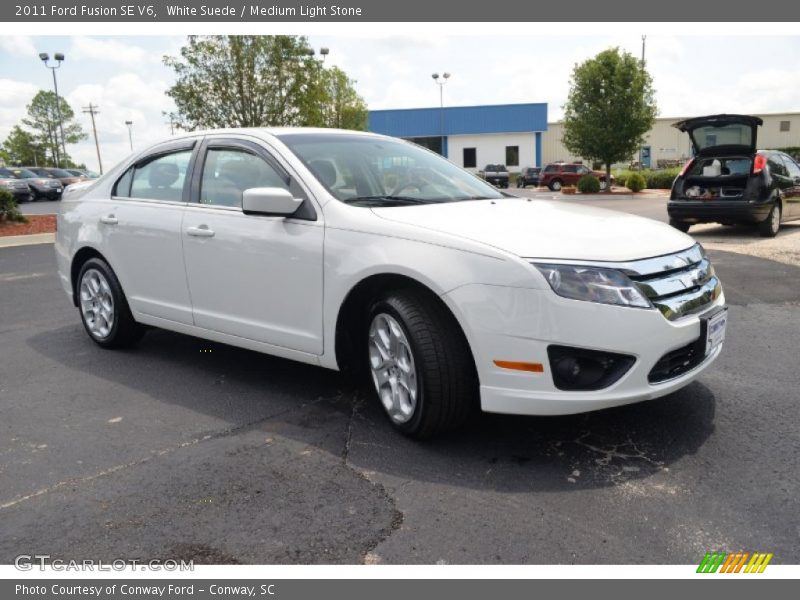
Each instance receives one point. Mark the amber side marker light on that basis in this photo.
(520, 366)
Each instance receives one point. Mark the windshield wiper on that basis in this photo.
(385, 200)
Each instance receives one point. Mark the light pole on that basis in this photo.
(441, 81)
(59, 58)
(130, 133)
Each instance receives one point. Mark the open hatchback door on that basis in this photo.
(722, 135)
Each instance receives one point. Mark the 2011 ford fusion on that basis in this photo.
(363, 252)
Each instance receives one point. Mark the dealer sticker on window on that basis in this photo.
(715, 330)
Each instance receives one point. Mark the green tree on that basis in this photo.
(256, 81)
(42, 121)
(611, 106)
(343, 108)
(21, 148)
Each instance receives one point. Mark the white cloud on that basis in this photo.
(124, 97)
(19, 45)
(108, 50)
(14, 98)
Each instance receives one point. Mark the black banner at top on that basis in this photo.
(677, 11)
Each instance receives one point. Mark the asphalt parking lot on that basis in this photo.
(188, 449)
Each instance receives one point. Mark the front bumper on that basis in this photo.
(716, 211)
(518, 324)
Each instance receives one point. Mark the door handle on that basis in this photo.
(109, 220)
(202, 231)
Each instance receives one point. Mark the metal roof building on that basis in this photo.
(471, 136)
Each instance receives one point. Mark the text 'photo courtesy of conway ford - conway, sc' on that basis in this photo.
(365, 252)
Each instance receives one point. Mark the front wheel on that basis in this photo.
(769, 227)
(419, 364)
(104, 310)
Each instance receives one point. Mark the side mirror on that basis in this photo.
(269, 201)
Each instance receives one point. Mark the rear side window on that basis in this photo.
(776, 166)
(551, 169)
(791, 167)
(160, 178)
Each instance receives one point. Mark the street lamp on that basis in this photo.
(130, 133)
(440, 81)
(59, 58)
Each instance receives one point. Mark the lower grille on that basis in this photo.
(676, 363)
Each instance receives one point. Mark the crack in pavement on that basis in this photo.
(155, 454)
(369, 557)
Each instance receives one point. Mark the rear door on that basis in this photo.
(780, 177)
(793, 192)
(141, 229)
(252, 276)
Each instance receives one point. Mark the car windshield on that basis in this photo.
(7, 174)
(58, 173)
(377, 171)
(25, 174)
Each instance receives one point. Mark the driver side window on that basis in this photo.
(228, 172)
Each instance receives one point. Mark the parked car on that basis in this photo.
(496, 175)
(84, 173)
(729, 182)
(45, 188)
(362, 252)
(63, 176)
(528, 176)
(557, 175)
(21, 191)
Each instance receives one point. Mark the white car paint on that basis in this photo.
(277, 284)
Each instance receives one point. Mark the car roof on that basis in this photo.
(274, 132)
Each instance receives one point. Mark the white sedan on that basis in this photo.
(359, 251)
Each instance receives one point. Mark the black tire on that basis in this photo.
(520, 184)
(555, 185)
(769, 227)
(447, 384)
(125, 331)
(679, 225)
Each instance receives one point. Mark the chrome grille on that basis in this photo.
(677, 284)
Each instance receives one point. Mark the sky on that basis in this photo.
(126, 78)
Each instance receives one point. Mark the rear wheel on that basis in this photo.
(603, 184)
(104, 310)
(419, 364)
(555, 185)
(679, 225)
(769, 227)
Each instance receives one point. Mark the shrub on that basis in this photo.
(8, 206)
(588, 184)
(661, 180)
(621, 177)
(635, 182)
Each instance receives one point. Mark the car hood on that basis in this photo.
(546, 229)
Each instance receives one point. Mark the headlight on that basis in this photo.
(593, 284)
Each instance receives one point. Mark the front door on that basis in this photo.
(252, 276)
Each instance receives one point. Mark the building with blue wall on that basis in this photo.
(471, 136)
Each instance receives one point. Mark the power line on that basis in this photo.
(92, 111)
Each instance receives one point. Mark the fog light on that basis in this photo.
(586, 370)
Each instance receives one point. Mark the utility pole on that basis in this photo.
(92, 111)
(641, 148)
(130, 133)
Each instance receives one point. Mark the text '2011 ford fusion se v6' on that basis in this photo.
(359, 251)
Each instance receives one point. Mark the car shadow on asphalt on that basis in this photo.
(499, 452)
